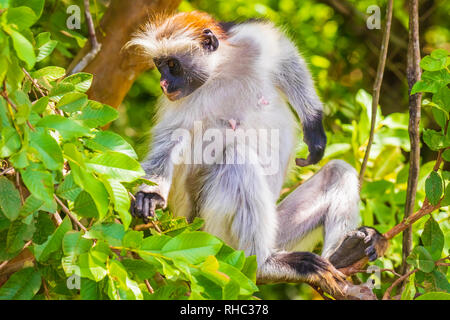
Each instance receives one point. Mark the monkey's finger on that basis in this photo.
(146, 207)
(153, 207)
(302, 162)
(371, 252)
(139, 202)
(368, 239)
(132, 205)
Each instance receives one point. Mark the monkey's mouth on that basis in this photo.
(173, 95)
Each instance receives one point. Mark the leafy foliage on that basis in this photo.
(92, 171)
(57, 162)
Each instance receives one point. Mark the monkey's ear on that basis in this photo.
(209, 41)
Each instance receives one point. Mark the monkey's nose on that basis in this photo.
(164, 85)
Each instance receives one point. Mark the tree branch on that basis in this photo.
(413, 74)
(95, 46)
(377, 86)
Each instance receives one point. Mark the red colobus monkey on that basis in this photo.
(230, 78)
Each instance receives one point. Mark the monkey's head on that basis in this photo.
(182, 48)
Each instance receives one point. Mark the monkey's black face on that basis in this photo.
(180, 76)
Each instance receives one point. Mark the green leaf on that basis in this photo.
(44, 228)
(121, 199)
(81, 81)
(10, 142)
(442, 98)
(433, 64)
(21, 17)
(18, 233)
(410, 289)
(96, 114)
(31, 205)
(60, 90)
(36, 5)
(155, 243)
(446, 155)
(22, 285)
(122, 287)
(422, 259)
(117, 166)
(133, 239)
(247, 286)
(72, 101)
(48, 149)
(68, 189)
(9, 199)
(250, 267)
(439, 53)
(87, 180)
(435, 140)
(23, 47)
(194, 247)
(433, 187)
(40, 105)
(75, 244)
(112, 233)
(93, 265)
(85, 206)
(140, 268)
(50, 73)
(433, 238)
(89, 290)
(434, 296)
(110, 141)
(68, 128)
(54, 242)
(39, 183)
(45, 45)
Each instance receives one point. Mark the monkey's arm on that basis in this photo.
(158, 167)
(293, 78)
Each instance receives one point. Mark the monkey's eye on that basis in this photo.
(174, 66)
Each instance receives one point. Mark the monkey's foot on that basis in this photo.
(364, 242)
(145, 205)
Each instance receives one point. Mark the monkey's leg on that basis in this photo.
(238, 206)
(330, 200)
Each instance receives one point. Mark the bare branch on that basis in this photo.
(377, 85)
(71, 216)
(95, 45)
(413, 74)
(387, 293)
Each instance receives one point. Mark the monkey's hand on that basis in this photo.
(148, 199)
(364, 242)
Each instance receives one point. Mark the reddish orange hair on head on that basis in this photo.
(194, 21)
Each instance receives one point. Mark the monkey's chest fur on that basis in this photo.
(259, 130)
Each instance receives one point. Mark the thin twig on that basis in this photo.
(4, 94)
(22, 200)
(387, 293)
(149, 287)
(377, 86)
(71, 216)
(4, 263)
(95, 45)
(151, 224)
(34, 82)
(6, 171)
